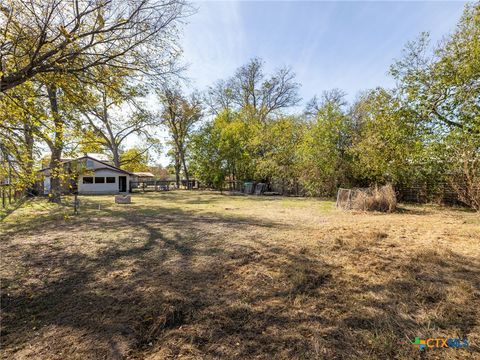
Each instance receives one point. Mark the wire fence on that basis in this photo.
(162, 185)
(439, 193)
(420, 193)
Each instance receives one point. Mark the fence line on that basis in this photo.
(440, 192)
(161, 185)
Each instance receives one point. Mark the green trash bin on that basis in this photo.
(248, 187)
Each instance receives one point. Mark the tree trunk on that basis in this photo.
(185, 170)
(55, 176)
(56, 148)
(29, 142)
(177, 170)
(116, 156)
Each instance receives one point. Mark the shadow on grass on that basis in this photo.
(186, 289)
(75, 298)
(5, 212)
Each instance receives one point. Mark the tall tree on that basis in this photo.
(179, 116)
(225, 149)
(280, 162)
(387, 145)
(51, 118)
(251, 88)
(113, 113)
(443, 85)
(58, 45)
(323, 159)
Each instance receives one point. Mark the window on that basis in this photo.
(99, 180)
(110, 180)
(88, 180)
(89, 164)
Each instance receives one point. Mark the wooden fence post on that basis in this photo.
(75, 204)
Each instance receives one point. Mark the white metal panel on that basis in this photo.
(101, 188)
(46, 186)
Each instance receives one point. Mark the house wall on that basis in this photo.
(101, 188)
(88, 168)
(46, 185)
(43, 185)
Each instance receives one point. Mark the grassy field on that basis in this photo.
(198, 275)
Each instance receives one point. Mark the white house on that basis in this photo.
(90, 175)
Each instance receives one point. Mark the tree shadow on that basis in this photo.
(78, 297)
(11, 208)
(174, 284)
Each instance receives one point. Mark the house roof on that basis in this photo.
(144, 174)
(96, 156)
(113, 168)
(87, 156)
(172, 177)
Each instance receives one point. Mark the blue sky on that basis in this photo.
(347, 45)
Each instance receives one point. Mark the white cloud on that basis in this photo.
(213, 42)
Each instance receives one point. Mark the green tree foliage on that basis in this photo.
(443, 85)
(387, 144)
(46, 112)
(134, 159)
(323, 152)
(249, 138)
(222, 149)
(17, 145)
(280, 160)
(442, 89)
(425, 131)
(464, 167)
(207, 162)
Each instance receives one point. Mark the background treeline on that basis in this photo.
(85, 76)
(425, 131)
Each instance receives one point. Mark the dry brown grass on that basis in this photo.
(375, 199)
(197, 275)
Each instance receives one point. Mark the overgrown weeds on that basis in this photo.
(377, 198)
